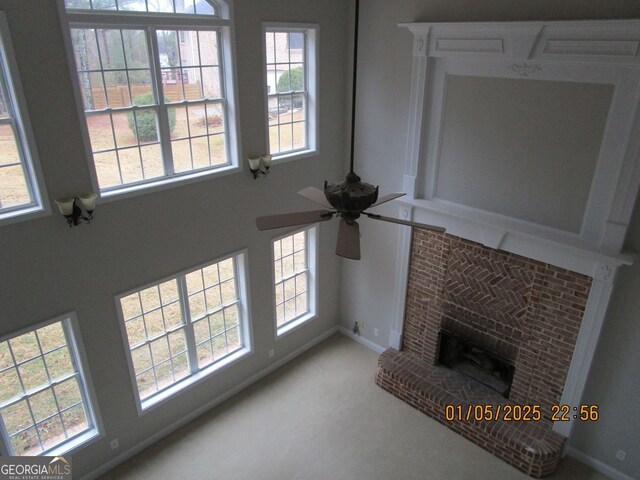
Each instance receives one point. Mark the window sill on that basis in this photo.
(72, 446)
(294, 324)
(27, 213)
(165, 183)
(298, 155)
(154, 401)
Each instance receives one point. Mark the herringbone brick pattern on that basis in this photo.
(493, 289)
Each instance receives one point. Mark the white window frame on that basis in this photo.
(312, 282)
(78, 355)
(197, 375)
(82, 18)
(25, 143)
(311, 39)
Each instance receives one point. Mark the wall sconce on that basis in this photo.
(256, 162)
(73, 213)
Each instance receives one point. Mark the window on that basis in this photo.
(44, 400)
(294, 266)
(291, 84)
(184, 328)
(156, 90)
(19, 193)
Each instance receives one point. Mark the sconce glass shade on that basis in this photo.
(88, 201)
(65, 205)
(266, 161)
(254, 163)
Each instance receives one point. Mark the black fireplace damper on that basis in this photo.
(466, 357)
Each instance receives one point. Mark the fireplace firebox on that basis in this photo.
(468, 358)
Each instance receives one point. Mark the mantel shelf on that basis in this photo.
(541, 243)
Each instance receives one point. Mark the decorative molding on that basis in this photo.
(463, 45)
(628, 48)
(593, 41)
(420, 46)
(603, 273)
(585, 349)
(401, 278)
(525, 69)
(600, 52)
(522, 238)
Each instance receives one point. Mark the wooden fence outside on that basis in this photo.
(119, 95)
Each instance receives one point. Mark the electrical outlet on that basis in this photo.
(271, 353)
(376, 332)
(621, 455)
(114, 444)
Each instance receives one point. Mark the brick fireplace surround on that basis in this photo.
(527, 312)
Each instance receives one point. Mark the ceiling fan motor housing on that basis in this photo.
(351, 197)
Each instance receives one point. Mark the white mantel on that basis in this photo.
(589, 52)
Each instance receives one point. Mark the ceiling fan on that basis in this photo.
(348, 200)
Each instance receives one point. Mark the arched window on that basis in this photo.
(197, 7)
(154, 78)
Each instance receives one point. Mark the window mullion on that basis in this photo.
(71, 345)
(188, 327)
(161, 109)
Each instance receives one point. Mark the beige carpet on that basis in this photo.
(322, 417)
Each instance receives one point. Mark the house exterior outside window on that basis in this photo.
(22, 192)
(295, 279)
(155, 82)
(46, 401)
(291, 86)
(184, 328)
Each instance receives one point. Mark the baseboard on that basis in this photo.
(362, 341)
(111, 464)
(597, 465)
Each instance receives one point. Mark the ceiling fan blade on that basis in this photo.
(290, 219)
(315, 195)
(433, 228)
(348, 245)
(387, 198)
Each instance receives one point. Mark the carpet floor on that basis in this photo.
(321, 416)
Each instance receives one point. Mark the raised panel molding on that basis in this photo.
(628, 48)
(463, 45)
(618, 40)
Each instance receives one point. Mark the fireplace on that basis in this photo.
(466, 357)
(485, 327)
(510, 275)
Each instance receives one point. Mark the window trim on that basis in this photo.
(148, 404)
(24, 135)
(312, 282)
(312, 36)
(76, 347)
(76, 18)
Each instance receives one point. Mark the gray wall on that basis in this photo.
(486, 136)
(48, 269)
(383, 94)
